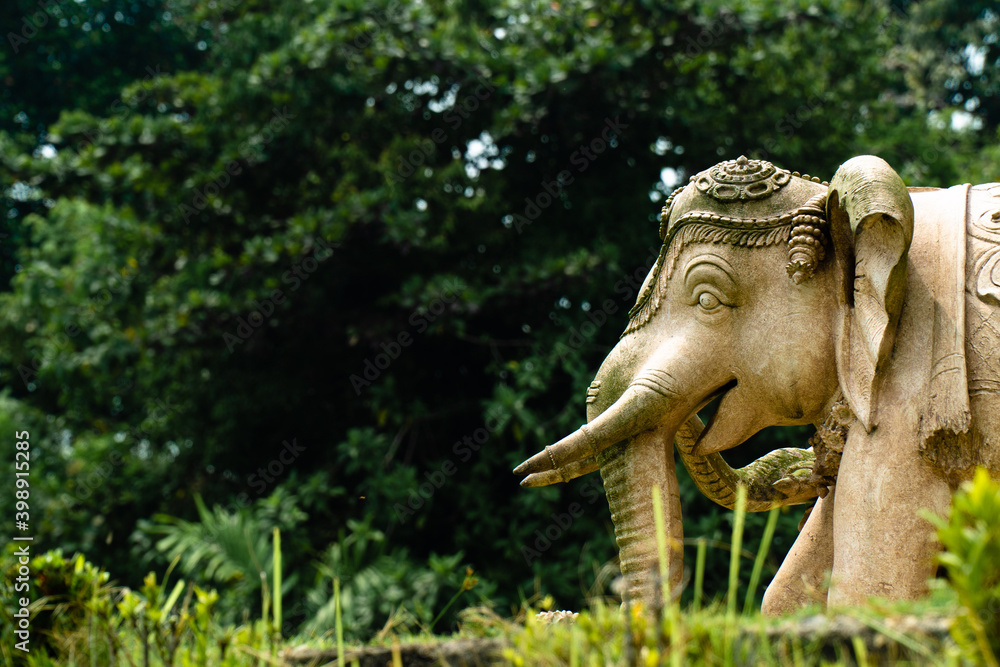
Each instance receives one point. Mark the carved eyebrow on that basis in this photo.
(713, 260)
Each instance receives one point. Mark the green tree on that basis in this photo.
(372, 253)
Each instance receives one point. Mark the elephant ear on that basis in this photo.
(871, 226)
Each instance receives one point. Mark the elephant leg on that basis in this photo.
(802, 578)
(630, 469)
(881, 546)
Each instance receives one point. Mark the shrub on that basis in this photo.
(970, 535)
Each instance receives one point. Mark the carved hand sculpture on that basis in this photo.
(861, 306)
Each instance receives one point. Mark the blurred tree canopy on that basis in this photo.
(340, 265)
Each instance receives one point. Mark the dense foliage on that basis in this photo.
(338, 266)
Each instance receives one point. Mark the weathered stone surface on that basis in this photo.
(864, 307)
(454, 653)
(900, 638)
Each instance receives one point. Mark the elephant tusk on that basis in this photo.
(562, 454)
(638, 409)
(564, 474)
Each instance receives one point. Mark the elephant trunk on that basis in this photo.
(632, 442)
(779, 478)
(630, 469)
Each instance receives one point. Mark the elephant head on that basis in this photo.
(774, 291)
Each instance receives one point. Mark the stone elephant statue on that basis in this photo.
(864, 307)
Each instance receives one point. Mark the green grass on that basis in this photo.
(164, 623)
(717, 635)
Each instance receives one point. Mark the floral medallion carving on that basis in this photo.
(741, 179)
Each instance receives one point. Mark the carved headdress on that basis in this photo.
(740, 202)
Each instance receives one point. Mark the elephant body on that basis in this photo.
(863, 307)
(940, 417)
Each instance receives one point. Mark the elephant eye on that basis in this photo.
(708, 301)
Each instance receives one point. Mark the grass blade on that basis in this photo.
(671, 608)
(911, 643)
(734, 559)
(758, 564)
(860, 652)
(661, 545)
(338, 622)
(277, 580)
(699, 572)
(176, 593)
(734, 571)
